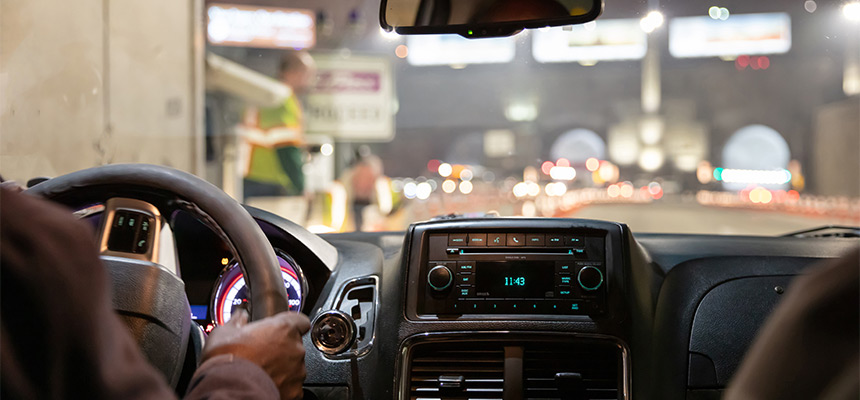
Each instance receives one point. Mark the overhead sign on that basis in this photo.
(457, 50)
(268, 27)
(740, 34)
(611, 39)
(353, 98)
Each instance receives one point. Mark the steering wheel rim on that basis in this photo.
(253, 251)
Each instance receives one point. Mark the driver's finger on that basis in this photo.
(298, 321)
(239, 318)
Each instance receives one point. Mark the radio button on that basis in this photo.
(496, 239)
(463, 268)
(516, 239)
(563, 280)
(477, 239)
(563, 267)
(574, 308)
(534, 307)
(554, 240)
(574, 241)
(465, 279)
(440, 278)
(464, 291)
(535, 240)
(590, 278)
(473, 307)
(564, 291)
(457, 239)
(496, 307)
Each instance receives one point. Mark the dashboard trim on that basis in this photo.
(337, 299)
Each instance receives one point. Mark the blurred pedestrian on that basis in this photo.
(362, 183)
(274, 137)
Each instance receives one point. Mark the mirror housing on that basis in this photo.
(483, 18)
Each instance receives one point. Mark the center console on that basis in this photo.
(503, 269)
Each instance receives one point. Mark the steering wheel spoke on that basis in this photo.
(139, 252)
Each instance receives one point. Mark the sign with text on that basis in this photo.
(457, 50)
(352, 100)
(603, 40)
(741, 34)
(267, 27)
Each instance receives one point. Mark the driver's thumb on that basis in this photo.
(239, 318)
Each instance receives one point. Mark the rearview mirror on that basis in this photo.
(483, 18)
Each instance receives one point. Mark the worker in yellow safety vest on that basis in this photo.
(273, 138)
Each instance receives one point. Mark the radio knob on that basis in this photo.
(590, 278)
(439, 278)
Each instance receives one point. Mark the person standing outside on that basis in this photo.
(362, 178)
(273, 138)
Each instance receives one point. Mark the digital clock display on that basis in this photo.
(514, 279)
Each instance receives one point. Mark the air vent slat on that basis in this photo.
(553, 369)
(475, 369)
(481, 366)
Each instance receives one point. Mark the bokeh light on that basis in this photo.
(449, 186)
(466, 187)
(445, 170)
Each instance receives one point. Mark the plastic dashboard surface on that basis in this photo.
(504, 269)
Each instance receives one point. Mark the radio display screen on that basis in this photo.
(515, 279)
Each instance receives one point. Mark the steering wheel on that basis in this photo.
(147, 295)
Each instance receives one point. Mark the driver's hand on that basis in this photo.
(273, 343)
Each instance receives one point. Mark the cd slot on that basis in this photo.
(513, 250)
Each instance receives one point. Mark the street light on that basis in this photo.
(651, 22)
(851, 11)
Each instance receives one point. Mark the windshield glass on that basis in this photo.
(671, 116)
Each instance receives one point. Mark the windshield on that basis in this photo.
(671, 116)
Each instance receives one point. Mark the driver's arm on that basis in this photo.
(60, 337)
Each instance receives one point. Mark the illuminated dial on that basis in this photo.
(231, 291)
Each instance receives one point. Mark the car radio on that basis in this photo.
(541, 272)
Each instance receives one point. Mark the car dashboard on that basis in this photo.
(517, 308)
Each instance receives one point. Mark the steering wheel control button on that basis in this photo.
(590, 278)
(130, 232)
(496, 239)
(516, 239)
(440, 278)
(457, 239)
(536, 240)
(333, 332)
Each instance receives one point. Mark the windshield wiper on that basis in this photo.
(827, 231)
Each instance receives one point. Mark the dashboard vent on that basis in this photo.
(457, 370)
(514, 366)
(580, 370)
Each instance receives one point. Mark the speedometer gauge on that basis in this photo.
(231, 291)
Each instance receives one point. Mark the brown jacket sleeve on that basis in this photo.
(59, 336)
